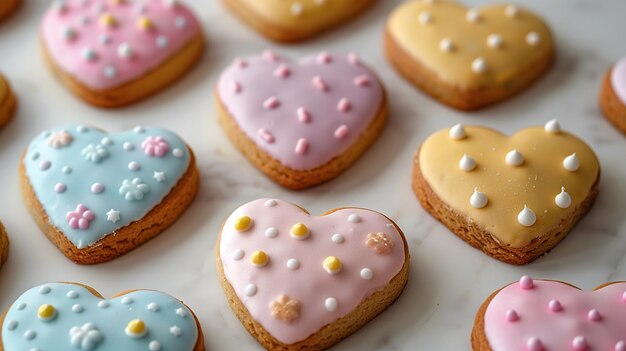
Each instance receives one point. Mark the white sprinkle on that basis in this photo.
(154, 345)
(128, 146)
(494, 41)
(533, 39)
(103, 304)
(514, 158)
(181, 312)
(337, 238)
(446, 45)
(366, 274)
(180, 22)
(467, 163)
(478, 199)
(110, 72)
(30, 334)
(457, 132)
(425, 18)
(177, 153)
(331, 304)
(153, 307)
(176, 331)
(12, 325)
(250, 290)
(354, 218)
(270, 203)
(44, 290)
(162, 41)
(271, 232)
(472, 15)
(571, 163)
(511, 11)
(479, 65)
(21, 306)
(126, 300)
(77, 308)
(139, 130)
(238, 254)
(72, 294)
(552, 126)
(293, 264)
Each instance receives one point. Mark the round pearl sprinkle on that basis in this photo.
(331, 304)
(271, 232)
(177, 153)
(555, 306)
(128, 146)
(154, 346)
(620, 345)
(571, 163)
(425, 18)
(512, 316)
(72, 294)
(563, 199)
(511, 11)
(479, 65)
(526, 282)
(97, 188)
(579, 343)
(446, 45)
(293, 264)
(337, 238)
(366, 274)
(457, 132)
(77, 308)
(478, 199)
(251, 290)
(494, 41)
(153, 307)
(126, 300)
(467, 163)
(552, 127)
(44, 290)
(354, 218)
(270, 203)
(526, 217)
(60, 188)
(534, 344)
(594, 315)
(103, 304)
(45, 165)
(134, 166)
(533, 38)
(472, 15)
(66, 170)
(238, 254)
(514, 158)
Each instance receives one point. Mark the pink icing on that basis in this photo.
(584, 320)
(618, 79)
(310, 284)
(320, 94)
(118, 54)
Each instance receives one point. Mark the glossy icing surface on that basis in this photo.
(618, 79)
(556, 327)
(75, 165)
(85, 38)
(422, 29)
(170, 324)
(325, 100)
(535, 183)
(297, 267)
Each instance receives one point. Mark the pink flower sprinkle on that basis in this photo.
(362, 81)
(236, 87)
(353, 59)
(344, 105)
(319, 83)
(282, 71)
(155, 146)
(265, 135)
(80, 218)
(324, 58)
(341, 132)
(271, 103)
(302, 146)
(270, 55)
(303, 115)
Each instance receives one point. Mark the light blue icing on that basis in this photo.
(97, 157)
(171, 326)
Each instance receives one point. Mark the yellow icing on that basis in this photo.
(243, 223)
(332, 264)
(299, 230)
(46, 311)
(447, 20)
(312, 15)
(535, 183)
(136, 327)
(259, 258)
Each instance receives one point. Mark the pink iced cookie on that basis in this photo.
(552, 315)
(103, 45)
(308, 120)
(294, 279)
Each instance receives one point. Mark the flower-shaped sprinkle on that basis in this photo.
(286, 309)
(95, 153)
(80, 218)
(134, 190)
(155, 146)
(380, 242)
(85, 337)
(60, 139)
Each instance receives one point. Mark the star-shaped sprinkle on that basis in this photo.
(113, 215)
(159, 176)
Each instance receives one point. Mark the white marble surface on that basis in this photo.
(449, 279)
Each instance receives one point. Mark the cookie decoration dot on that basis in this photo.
(514, 158)
(136, 329)
(300, 231)
(555, 305)
(259, 258)
(512, 316)
(243, 223)
(467, 163)
(380, 243)
(553, 126)
(46, 312)
(526, 217)
(286, 309)
(332, 265)
(563, 199)
(479, 65)
(331, 304)
(478, 199)
(495, 41)
(571, 163)
(457, 132)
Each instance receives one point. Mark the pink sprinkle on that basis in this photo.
(526, 282)
(624, 297)
(97, 188)
(620, 346)
(302, 146)
(270, 55)
(555, 305)
(265, 135)
(241, 63)
(580, 343)
(60, 188)
(271, 103)
(45, 165)
(534, 344)
(80, 218)
(594, 315)
(155, 146)
(319, 83)
(282, 71)
(344, 105)
(362, 81)
(512, 316)
(236, 87)
(303, 115)
(341, 132)
(324, 58)
(354, 59)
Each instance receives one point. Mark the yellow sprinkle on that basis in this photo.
(46, 312)
(300, 231)
(259, 258)
(332, 265)
(243, 223)
(136, 328)
(107, 20)
(144, 23)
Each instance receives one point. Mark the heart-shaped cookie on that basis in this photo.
(114, 52)
(295, 20)
(98, 195)
(468, 58)
(301, 123)
(8, 102)
(552, 315)
(613, 95)
(299, 282)
(69, 316)
(513, 197)
(4, 245)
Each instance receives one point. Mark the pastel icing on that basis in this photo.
(104, 44)
(307, 116)
(557, 314)
(82, 321)
(294, 295)
(515, 193)
(618, 79)
(92, 183)
(470, 48)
